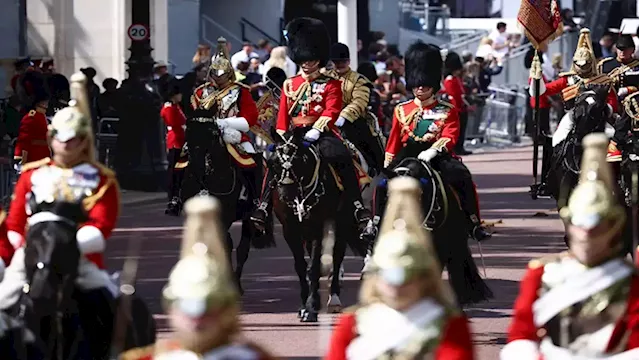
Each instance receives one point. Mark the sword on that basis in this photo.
(484, 267)
(127, 290)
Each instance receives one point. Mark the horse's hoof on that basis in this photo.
(334, 305)
(309, 317)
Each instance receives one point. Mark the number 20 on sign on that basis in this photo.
(138, 32)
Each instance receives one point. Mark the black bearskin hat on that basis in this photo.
(452, 63)
(308, 40)
(423, 66)
(340, 52)
(174, 88)
(277, 76)
(625, 41)
(39, 95)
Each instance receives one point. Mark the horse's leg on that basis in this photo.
(334, 305)
(312, 306)
(242, 251)
(291, 231)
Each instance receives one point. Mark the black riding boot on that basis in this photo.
(260, 215)
(547, 152)
(251, 179)
(352, 189)
(469, 201)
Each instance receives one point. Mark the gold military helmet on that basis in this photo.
(74, 120)
(202, 279)
(584, 59)
(221, 67)
(593, 199)
(404, 249)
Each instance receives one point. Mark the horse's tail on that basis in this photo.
(464, 277)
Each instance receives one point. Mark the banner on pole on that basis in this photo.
(540, 20)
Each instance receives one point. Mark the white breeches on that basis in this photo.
(89, 278)
(564, 128)
(248, 147)
(566, 124)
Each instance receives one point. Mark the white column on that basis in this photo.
(348, 28)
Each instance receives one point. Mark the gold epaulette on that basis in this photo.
(331, 74)
(446, 103)
(403, 117)
(32, 112)
(138, 353)
(540, 262)
(35, 164)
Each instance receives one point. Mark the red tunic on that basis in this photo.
(316, 102)
(32, 138)
(174, 119)
(454, 88)
(405, 118)
(523, 327)
(455, 344)
(102, 206)
(556, 86)
(246, 106)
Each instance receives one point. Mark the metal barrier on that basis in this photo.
(106, 140)
(501, 119)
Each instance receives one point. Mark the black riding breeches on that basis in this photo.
(335, 152)
(252, 178)
(359, 133)
(174, 175)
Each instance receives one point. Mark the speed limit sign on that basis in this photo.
(138, 32)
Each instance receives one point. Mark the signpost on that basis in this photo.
(138, 32)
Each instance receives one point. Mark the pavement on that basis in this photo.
(526, 229)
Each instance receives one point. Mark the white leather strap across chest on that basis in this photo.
(578, 287)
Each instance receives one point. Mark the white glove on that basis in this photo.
(222, 123)
(532, 88)
(312, 135)
(231, 136)
(427, 155)
(623, 91)
(340, 121)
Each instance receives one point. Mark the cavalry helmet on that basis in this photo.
(202, 279)
(584, 59)
(220, 62)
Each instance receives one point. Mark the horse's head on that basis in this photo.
(590, 110)
(295, 164)
(51, 253)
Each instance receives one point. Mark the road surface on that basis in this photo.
(528, 229)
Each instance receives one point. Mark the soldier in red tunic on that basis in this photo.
(32, 144)
(71, 172)
(175, 120)
(428, 129)
(313, 100)
(227, 104)
(454, 89)
(405, 310)
(581, 304)
(201, 298)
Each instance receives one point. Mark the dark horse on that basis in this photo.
(212, 171)
(308, 197)
(444, 218)
(68, 323)
(589, 116)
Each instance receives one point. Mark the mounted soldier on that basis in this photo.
(201, 298)
(71, 175)
(623, 69)
(406, 310)
(313, 100)
(428, 128)
(583, 74)
(582, 303)
(227, 104)
(354, 120)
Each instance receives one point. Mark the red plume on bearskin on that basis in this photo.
(423, 66)
(308, 40)
(540, 20)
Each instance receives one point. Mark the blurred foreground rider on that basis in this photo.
(581, 304)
